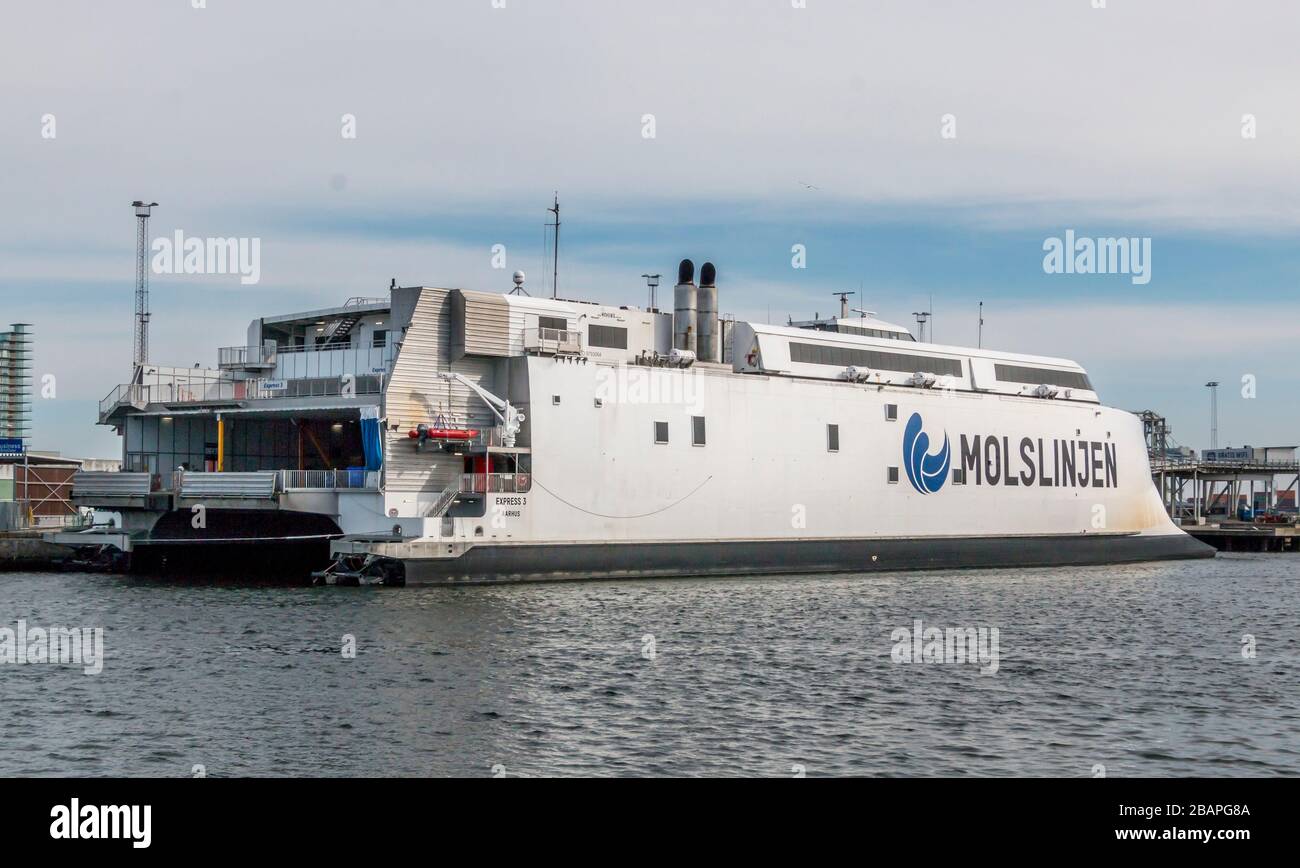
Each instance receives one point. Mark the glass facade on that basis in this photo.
(161, 444)
(15, 382)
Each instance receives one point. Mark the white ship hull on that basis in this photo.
(456, 436)
(765, 494)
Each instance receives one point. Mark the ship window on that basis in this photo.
(874, 360)
(832, 438)
(863, 332)
(380, 339)
(697, 430)
(1040, 376)
(609, 337)
(893, 476)
(600, 402)
(891, 412)
(958, 476)
(661, 432)
(555, 400)
(558, 323)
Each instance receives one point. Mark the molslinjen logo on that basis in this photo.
(992, 460)
(926, 472)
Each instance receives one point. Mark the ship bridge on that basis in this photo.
(280, 440)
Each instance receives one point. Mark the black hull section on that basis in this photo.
(268, 560)
(575, 562)
(276, 546)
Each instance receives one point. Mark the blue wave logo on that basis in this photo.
(927, 472)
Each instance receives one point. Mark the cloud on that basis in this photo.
(1134, 334)
(469, 116)
(1135, 109)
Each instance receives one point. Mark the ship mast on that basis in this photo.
(555, 259)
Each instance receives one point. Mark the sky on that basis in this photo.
(921, 153)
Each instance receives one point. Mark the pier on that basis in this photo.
(1228, 498)
(31, 550)
(1247, 537)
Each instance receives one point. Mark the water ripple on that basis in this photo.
(1138, 669)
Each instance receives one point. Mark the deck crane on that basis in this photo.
(507, 415)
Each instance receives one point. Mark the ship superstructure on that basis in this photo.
(451, 435)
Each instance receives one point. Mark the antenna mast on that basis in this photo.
(922, 317)
(555, 260)
(142, 283)
(844, 303)
(1213, 386)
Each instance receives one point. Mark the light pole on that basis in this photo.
(652, 281)
(1213, 386)
(555, 276)
(141, 353)
(922, 317)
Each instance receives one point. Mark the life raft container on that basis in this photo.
(423, 433)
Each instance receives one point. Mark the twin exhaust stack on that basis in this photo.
(695, 313)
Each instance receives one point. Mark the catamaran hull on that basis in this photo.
(492, 564)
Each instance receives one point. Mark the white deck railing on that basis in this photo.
(245, 357)
(557, 342)
(496, 483)
(327, 480)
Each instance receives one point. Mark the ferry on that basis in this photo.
(454, 436)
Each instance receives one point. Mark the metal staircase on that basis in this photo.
(337, 332)
(445, 500)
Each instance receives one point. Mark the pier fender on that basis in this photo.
(393, 573)
(351, 571)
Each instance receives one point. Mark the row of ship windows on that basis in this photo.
(870, 333)
(832, 439)
(698, 435)
(699, 438)
(876, 360)
(608, 337)
(615, 338)
(832, 442)
(697, 432)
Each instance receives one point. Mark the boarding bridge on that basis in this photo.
(140, 504)
(111, 491)
(227, 490)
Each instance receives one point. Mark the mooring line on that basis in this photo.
(621, 517)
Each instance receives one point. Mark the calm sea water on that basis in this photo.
(1138, 669)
